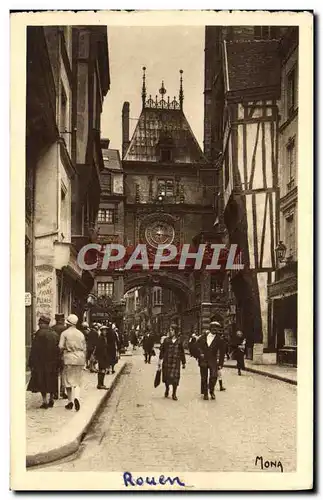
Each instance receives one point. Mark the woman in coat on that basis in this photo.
(73, 346)
(106, 353)
(44, 363)
(172, 355)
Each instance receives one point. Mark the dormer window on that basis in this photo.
(165, 155)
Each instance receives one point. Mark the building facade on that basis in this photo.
(166, 202)
(110, 229)
(67, 79)
(245, 92)
(282, 293)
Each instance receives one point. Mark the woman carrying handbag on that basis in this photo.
(170, 358)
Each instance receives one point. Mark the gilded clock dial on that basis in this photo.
(159, 233)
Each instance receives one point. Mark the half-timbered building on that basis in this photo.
(243, 68)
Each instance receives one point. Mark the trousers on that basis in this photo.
(240, 360)
(209, 376)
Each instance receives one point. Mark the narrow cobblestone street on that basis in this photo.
(141, 430)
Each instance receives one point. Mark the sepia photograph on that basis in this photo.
(162, 326)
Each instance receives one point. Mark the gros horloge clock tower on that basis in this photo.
(165, 202)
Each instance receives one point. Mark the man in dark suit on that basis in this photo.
(208, 351)
(148, 343)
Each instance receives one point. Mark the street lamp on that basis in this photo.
(280, 252)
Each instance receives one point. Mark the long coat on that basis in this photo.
(148, 343)
(172, 354)
(106, 350)
(212, 355)
(44, 361)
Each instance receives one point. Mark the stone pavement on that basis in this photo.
(285, 373)
(140, 430)
(56, 432)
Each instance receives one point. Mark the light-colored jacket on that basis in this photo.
(73, 345)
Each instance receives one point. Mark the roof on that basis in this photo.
(158, 129)
(111, 159)
(252, 66)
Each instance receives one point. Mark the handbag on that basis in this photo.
(157, 378)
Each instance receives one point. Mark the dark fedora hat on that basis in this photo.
(44, 319)
(59, 316)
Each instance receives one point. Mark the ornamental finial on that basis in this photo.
(162, 89)
(181, 94)
(143, 93)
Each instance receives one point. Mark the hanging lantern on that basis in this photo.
(280, 252)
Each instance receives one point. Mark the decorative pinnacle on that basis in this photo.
(162, 90)
(181, 94)
(143, 93)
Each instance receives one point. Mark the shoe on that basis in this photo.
(206, 397)
(113, 371)
(108, 372)
(51, 403)
(69, 406)
(166, 394)
(101, 387)
(77, 404)
(44, 406)
(55, 396)
(222, 389)
(64, 396)
(239, 372)
(145, 360)
(212, 395)
(174, 397)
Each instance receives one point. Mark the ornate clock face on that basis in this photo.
(159, 233)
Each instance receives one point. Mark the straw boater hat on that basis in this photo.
(72, 319)
(215, 323)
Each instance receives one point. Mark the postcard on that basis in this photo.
(162, 180)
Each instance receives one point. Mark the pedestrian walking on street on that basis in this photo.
(115, 339)
(148, 343)
(222, 349)
(134, 339)
(192, 345)
(72, 344)
(44, 363)
(85, 329)
(60, 327)
(104, 353)
(172, 355)
(208, 347)
(239, 350)
(92, 340)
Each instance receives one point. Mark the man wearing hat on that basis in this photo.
(44, 363)
(73, 346)
(60, 327)
(207, 348)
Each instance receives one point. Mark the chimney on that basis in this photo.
(125, 127)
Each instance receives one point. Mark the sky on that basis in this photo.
(164, 51)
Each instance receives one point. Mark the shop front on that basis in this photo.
(283, 295)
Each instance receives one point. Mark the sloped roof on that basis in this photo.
(163, 128)
(111, 159)
(251, 65)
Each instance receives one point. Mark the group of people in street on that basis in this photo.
(209, 349)
(60, 353)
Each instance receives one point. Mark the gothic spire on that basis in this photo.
(143, 93)
(181, 94)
